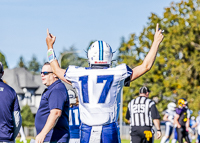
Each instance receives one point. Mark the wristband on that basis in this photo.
(159, 130)
(51, 55)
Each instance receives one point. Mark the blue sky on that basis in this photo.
(23, 24)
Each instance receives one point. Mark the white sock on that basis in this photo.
(163, 139)
(174, 141)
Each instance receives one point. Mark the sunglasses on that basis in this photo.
(45, 73)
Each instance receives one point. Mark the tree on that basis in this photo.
(70, 57)
(176, 70)
(21, 62)
(182, 57)
(3, 60)
(27, 116)
(34, 65)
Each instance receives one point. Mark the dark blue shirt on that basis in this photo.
(74, 122)
(8, 104)
(54, 97)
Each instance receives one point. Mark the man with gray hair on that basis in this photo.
(10, 117)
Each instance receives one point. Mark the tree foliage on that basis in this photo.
(33, 65)
(70, 57)
(27, 116)
(21, 62)
(176, 70)
(3, 60)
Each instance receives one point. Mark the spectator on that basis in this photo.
(10, 117)
(52, 118)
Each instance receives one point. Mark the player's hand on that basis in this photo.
(178, 126)
(50, 40)
(158, 37)
(40, 138)
(159, 134)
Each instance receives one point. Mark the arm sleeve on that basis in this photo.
(17, 122)
(69, 73)
(188, 113)
(127, 81)
(57, 100)
(125, 72)
(178, 111)
(154, 112)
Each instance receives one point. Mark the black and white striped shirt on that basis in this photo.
(141, 111)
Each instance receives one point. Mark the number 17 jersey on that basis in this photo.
(99, 92)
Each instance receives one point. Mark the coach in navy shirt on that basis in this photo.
(10, 117)
(52, 118)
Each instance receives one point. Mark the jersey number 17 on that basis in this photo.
(100, 79)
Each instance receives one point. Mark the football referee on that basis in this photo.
(141, 115)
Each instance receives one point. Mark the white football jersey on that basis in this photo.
(198, 127)
(171, 114)
(99, 92)
(188, 113)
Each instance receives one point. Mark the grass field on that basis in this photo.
(155, 141)
(123, 141)
(127, 141)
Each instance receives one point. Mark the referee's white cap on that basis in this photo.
(144, 89)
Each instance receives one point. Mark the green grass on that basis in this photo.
(155, 141)
(123, 141)
(128, 141)
(18, 140)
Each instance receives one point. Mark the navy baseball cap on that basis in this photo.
(144, 89)
(1, 67)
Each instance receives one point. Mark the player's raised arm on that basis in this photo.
(50, 40)
(150, 58)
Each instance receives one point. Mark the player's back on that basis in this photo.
(99, 92)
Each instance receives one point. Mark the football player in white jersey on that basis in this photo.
(169, 118)
(99, 87)
(74, 118)
(197, 124)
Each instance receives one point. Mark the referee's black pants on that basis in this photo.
(141, 134)
(182, 133)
